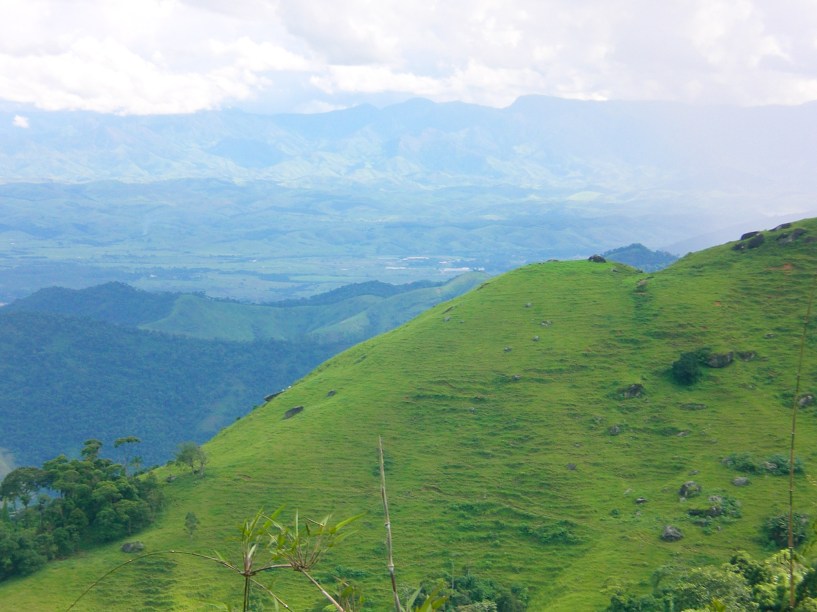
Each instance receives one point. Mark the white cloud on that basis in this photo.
(20, 121)
(167, 56)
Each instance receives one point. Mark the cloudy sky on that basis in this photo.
(178, 56)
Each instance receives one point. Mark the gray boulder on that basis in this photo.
(671, 534)
(133, 547)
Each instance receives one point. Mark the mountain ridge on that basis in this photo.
(523, 422)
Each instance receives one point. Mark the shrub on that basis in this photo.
(687, 369)
(776, 529)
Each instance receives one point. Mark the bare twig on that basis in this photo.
(397, 606)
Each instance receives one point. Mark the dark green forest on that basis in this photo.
(64, 380)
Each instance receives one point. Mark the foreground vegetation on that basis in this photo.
(93, 500)
(535, 436)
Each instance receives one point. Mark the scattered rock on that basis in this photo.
(293, 411)
(516, 377)
(571, 466)
(170, 478)
(693, 406)
(741, 481)
(788, 238)
(596, 259)
(683, 433)
(446, 319)
(671, 534)
(133, 547)
(782, 226)
(507, 349)
(641, 500)
(272, 395)
(614, 430)
(536, 338)
(755, 241)
(805, 400)
(770, 466)
(331, 393)
(634, 390)
(528, 305)
(689, 489)
(546, 323)
(748, 235)
(769, 336)
(747, 355)
(720, 360)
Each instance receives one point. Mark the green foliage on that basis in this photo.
(191, 455)
(686, 370)
(775, 529)
(741, 584)
(95, 502)
(776, 464)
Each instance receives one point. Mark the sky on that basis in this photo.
(182, 56)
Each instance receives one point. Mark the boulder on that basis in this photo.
(671, 534)
(748, 235)
(755, 241)
(789, 237)
(719, 360)
(805, 400)
(293, 411)
(689, 489)
(634, 390)
(741, 481)
(133, 547)
(596, 259)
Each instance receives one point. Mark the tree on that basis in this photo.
(90, 449)
(191, 523)
(22, 483)
(191, 455)
(126, 441)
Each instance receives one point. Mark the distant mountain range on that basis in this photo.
(538, 142)
(269, 207)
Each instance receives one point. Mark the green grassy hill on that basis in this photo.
(514, 449)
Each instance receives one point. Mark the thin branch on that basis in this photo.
(138, 558)
(274, 596)
(397, 606)
(322, 590)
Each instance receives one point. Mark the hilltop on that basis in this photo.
(522, 423)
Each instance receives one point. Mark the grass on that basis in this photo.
(502, 461)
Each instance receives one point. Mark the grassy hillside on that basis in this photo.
(513, 447)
